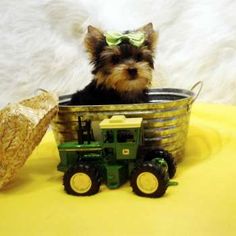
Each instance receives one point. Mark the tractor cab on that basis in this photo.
(121, 137)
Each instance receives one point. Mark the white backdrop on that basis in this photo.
(41, 43)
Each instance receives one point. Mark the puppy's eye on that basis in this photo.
(115, 59)
(139, 57)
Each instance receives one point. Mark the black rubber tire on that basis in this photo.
(86, 169)
(158, 172)
(167, 157)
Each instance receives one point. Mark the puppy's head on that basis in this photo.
(124, 67)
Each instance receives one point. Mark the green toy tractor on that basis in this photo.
(120, 156)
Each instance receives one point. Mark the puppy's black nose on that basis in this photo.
(132, 71)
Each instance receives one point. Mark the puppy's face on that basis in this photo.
(125, 68)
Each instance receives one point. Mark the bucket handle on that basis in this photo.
(199, 86)
(41, 90)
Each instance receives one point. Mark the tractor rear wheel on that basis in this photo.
(149, 180)
(160, 153)
(82, 180)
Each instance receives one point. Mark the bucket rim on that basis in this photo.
(185, 94)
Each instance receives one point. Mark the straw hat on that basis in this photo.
(22, 126)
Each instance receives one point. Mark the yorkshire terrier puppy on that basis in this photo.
(122, 66)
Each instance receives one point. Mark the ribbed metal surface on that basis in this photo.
(166, 118)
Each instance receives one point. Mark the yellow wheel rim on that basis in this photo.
(80, 182)
(147, 182)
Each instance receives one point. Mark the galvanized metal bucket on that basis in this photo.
(166, 117)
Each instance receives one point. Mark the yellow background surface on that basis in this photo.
(204, 202)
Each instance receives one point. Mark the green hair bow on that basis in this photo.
(115, 38)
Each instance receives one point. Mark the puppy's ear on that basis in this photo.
(151, 36)
(94, 41)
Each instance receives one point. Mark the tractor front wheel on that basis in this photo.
(149, 180)
(82, 180)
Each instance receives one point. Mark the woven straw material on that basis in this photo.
(22, 126)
